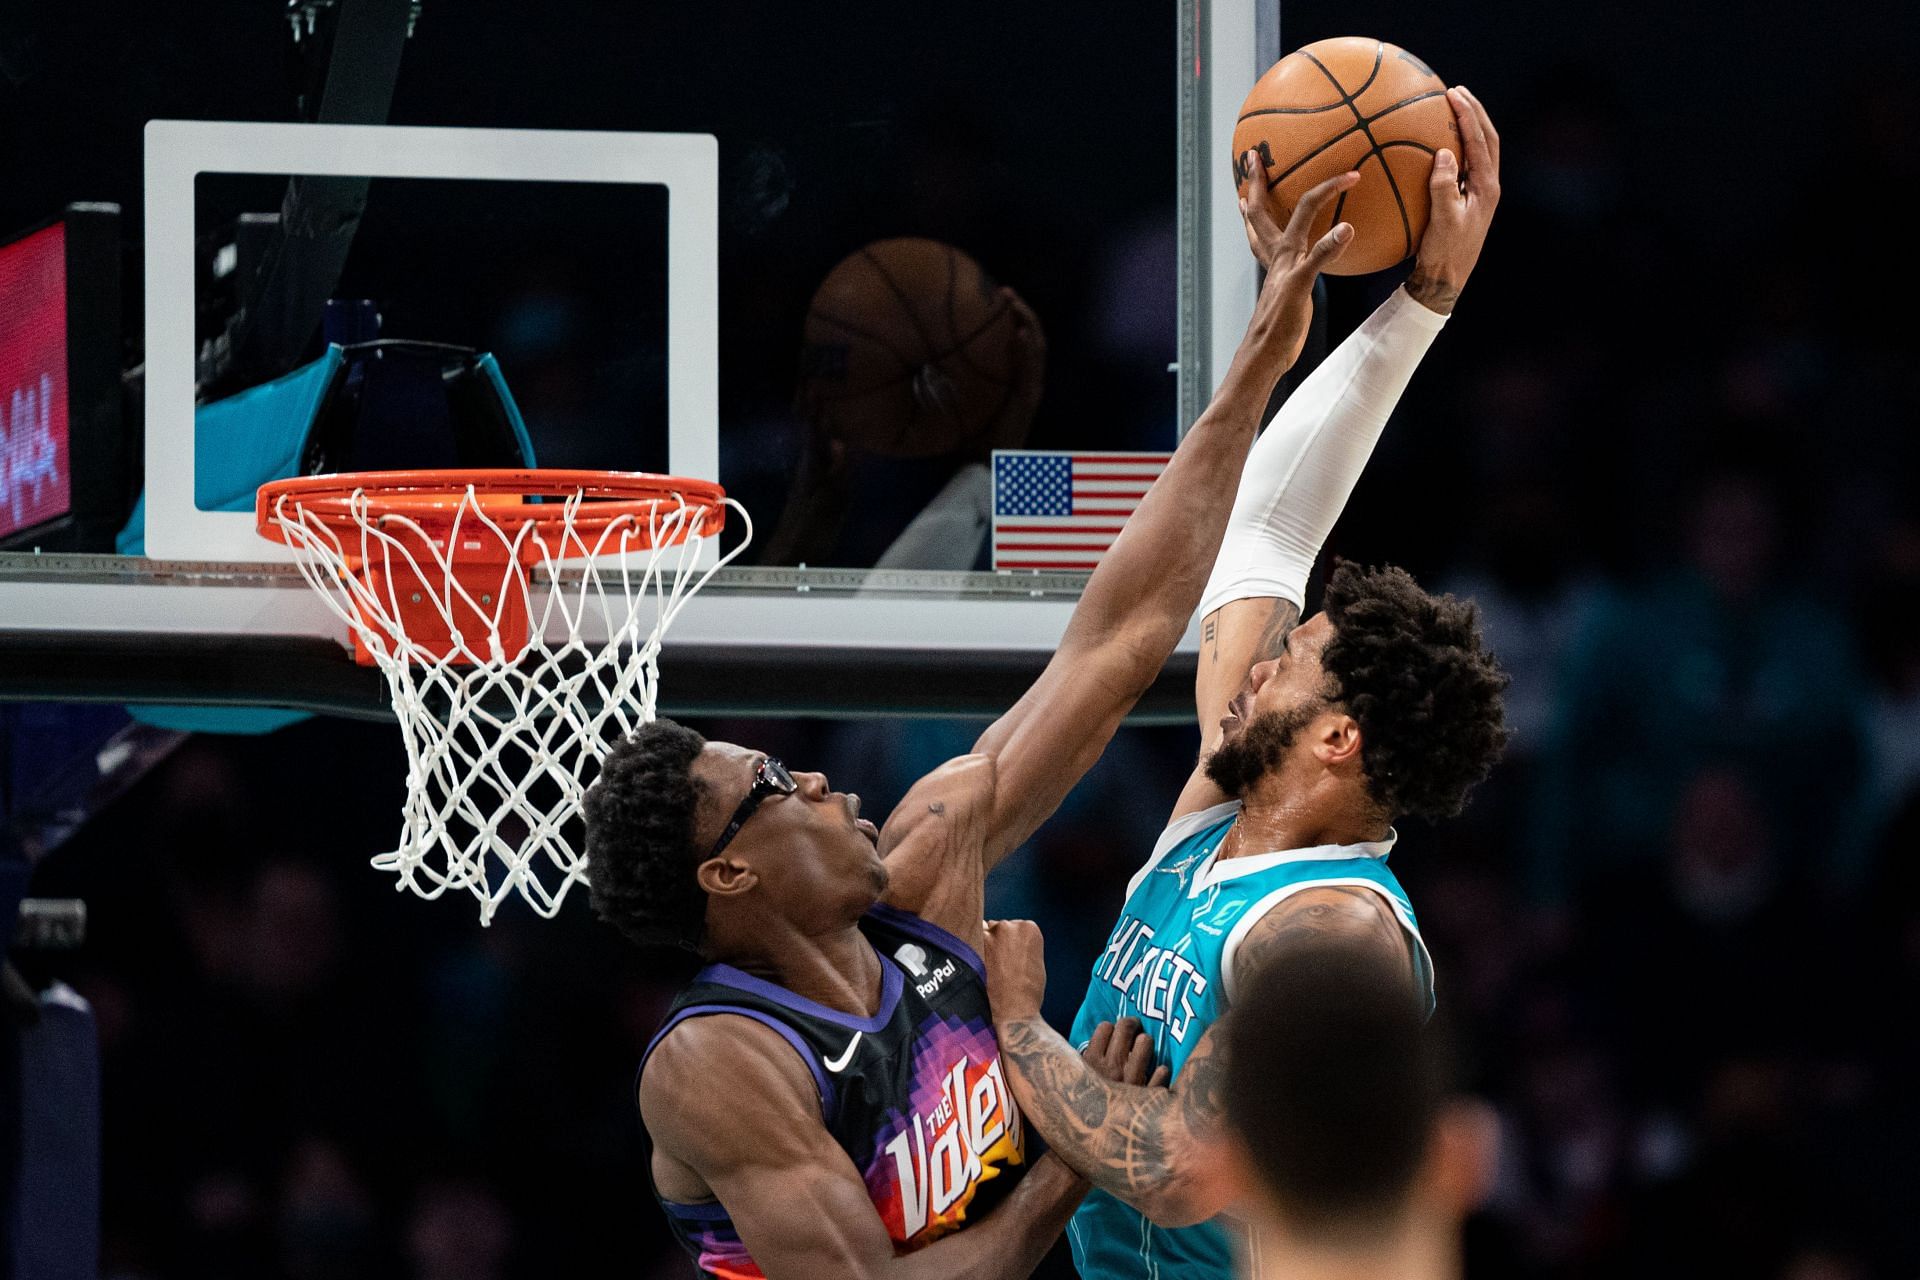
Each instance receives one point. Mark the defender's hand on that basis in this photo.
(1462, 207)
(1016, 968)
(1292, 262)
(1124, 1055)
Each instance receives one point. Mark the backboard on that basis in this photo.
(654, 277)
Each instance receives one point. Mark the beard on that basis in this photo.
(1237, 764)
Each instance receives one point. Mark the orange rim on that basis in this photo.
(431, 499)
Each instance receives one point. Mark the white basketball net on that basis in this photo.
(500, 747)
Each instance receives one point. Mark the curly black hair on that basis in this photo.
(1412, 670)
(640, 854)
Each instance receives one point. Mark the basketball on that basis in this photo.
(1352, 103)
(907, 350)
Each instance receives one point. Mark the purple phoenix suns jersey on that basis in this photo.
(1169, 963)
(915, 1094)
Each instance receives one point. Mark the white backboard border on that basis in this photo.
(949, 620)
(177, 151)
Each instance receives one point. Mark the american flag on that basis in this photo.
(1063, 510)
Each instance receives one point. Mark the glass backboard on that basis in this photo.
(809, 279)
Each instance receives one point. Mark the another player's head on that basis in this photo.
(1390, 692)
(703, 844)
(1341, 1126)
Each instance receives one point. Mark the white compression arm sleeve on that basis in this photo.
(1305, 463)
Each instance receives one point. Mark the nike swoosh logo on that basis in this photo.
(836, 1064)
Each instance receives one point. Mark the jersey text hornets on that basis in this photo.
(1162, 984)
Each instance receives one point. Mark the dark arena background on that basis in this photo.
(1668, 442)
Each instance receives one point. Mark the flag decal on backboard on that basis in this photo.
(1058, 510)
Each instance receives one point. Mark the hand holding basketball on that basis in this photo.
(1462, 207)
(1264, 215)
(1292, 261)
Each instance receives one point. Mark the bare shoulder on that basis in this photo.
(1347, 915)
(767, 1090)
(735, 1118)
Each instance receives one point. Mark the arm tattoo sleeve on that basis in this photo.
(1283, 619)
(1322, 914)
(1432, 292)
(1125, 1139)
(1146, 1146)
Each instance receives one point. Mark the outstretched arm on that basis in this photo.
(1154, 1148)
(1139, 601)
(1307, 461)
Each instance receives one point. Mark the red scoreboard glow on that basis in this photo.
(35, 483)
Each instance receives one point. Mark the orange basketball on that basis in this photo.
(908, 350)
(1352, 103)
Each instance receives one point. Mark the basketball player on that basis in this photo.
(1314, 739)
(1353, 1157)
(826, 1097)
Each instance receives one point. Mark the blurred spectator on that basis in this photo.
(1721, 656)
(326, 1216)
(1708, 953)
(1530, 603)
(459, 1230)
(1892, 646)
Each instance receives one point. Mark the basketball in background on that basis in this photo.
(907, 350)
(1352, 103)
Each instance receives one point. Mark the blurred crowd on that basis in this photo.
(1678, 931)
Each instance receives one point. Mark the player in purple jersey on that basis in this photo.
(787, 1142)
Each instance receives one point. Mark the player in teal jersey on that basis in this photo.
(1315, 738)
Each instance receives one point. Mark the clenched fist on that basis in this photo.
(1016, 968)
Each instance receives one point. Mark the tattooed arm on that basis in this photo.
(1154, 1148)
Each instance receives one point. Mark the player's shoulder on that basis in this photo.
(1184, 826)
(1356, 914)
(1183, 830)
(762, 1070)
(1334, 909)
(722, 1093)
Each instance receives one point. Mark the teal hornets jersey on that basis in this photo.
(1169, 963)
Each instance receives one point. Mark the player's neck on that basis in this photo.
(1278, 814)
(1420, 1251)
(840, 969)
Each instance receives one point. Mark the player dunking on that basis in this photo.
(826, 1098)
(1315, 739)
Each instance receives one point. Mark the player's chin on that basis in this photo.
(868, 850)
